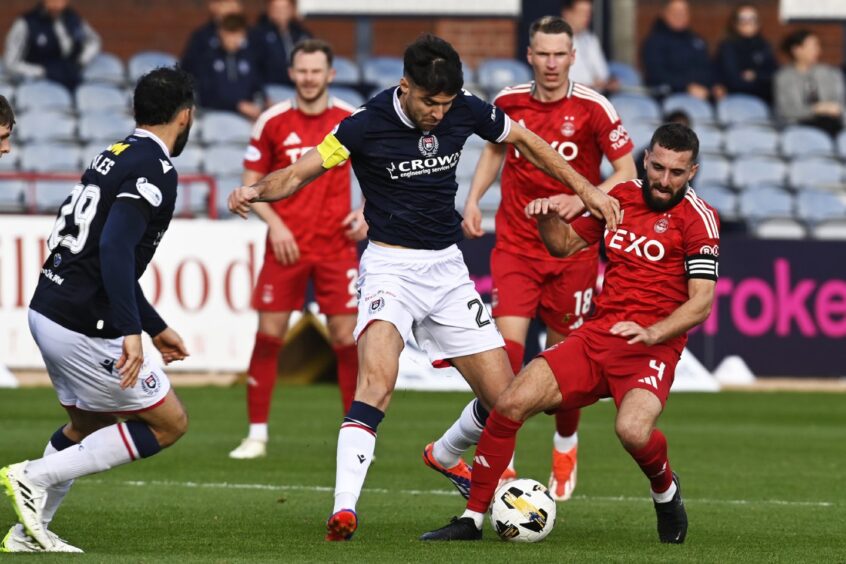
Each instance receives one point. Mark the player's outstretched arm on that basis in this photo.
(490, 161)
(687, 316)
(277, 185)
(544, 157)
(560, 239)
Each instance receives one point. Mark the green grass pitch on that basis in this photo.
(762, 476)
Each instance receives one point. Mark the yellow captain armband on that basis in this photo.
(332, 152)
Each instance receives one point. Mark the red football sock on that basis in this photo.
(494, 452)
(347, 358)
(262, 371)
(567, 421)
(653, 460)
(515, 352)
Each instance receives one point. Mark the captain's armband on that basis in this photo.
(332, 152)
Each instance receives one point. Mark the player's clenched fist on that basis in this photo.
(604, 207)
(240, 200)
(542, 208)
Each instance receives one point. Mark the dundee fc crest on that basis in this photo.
(428, 145)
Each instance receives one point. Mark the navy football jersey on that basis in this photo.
(407, 175)
(70, 289)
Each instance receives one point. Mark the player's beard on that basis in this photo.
(317, 96)
(181, 141)
(660, 205)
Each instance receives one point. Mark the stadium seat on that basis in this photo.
(636, 107)
(606, 169)
(628, 76)
(143, 62)
(713, 169)
(723, 199)
(9, 162)
(815, 172)
(105, 127)
(830, 230)
(710, 138)
(741, 108)
(382, 71)
(467, 163)
(474, 141)
(190, 161)
(766, 202)
(752, 171)
(45, 126)
(50, 194)
(105, 67)
(490, 201)
(348, 95)
(355, 192)
(346, 72)
(841, 144)
(42, 95)
(698, 110)
(640, 133)
(12, 195)
(778, 228)
(278, 92)
(225, 127)
(101, 98)
(496, 74)
(224, 160)
(815, 206)
(8, 90)
(803, 141)
(742, 140)
(50, 157)
(225, 185)
(192, 199)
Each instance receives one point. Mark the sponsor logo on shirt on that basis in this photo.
(418, 167)
(618, 137)
(710, 250)
(629, 242)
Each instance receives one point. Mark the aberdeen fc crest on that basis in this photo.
(428, 145)
(568, 128)
(661, 225)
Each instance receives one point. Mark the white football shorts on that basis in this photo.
(83, 373)
(428, 293)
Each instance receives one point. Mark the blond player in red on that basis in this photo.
(582, 126)
(309, 236)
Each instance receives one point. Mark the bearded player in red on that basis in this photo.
(582, 126)
(662, 271)
(311, 235)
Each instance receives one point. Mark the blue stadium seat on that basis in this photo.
(382, 71)
(765, 202)
(815, 172)
(710, 138)
(815, 206)
(144, 61)
(105, 127)
(8, 90)
(105, 67)
(756, 171)
(278, 92)
(348, 95)
(834, 229)
(698, 110)
(490, 201)
(640, 134)
(778, 228)
(50, 157)
(636, 107)
(841, 144)
(346, 71)
(224, 160)
(751, 140)
(190, 161)
(42, 95)
(723, 199)
(101, 98)
(628, 76)
(713, 169)
(496, 74)
(804, 141)
(467, 163)
(355, 192)
(225, 185)
(742, 108)
(225, 127)
(474, 141)
(45, 126)
(9, 161)
(192, 199)
(12, 195)
(50, 194)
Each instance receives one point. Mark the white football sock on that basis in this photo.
(666, 496)
(463, 434)
(355, 453)
(478, 518)
(55, 494)
(99, 451)
(258, 431)
(563, 444)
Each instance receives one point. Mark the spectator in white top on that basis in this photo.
(590, 67)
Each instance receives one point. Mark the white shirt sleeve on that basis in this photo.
(14, 56)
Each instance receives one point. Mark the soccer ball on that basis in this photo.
(523, 511)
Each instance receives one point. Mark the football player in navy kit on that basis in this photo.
(404, 146)
(88, 311)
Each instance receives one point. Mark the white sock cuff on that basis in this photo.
(666, 496)
(258, 431)
(478, 518)
(563, 444)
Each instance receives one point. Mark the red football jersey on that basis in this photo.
(282, 135)
(583, 126)
(651, 256)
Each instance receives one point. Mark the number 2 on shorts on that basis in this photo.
(480, 307)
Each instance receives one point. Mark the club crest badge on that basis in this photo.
(661, 225)
(150, 384)
(428, 145)
(377, 305)
(568, 128)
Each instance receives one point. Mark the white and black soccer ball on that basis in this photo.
(523, 511)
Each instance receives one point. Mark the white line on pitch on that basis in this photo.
(300, 487)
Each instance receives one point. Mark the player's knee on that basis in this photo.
(633, 434)
(511, 405)
(173, 430)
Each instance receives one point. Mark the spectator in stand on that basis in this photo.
(806, 91)
(589, 66)
(204, 38)
(675, 59)
(273, 39)
(51, 41)
(745, 62)
(227, 77)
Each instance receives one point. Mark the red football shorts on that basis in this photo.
(283, 287)
(559, 292)
(592, 364)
